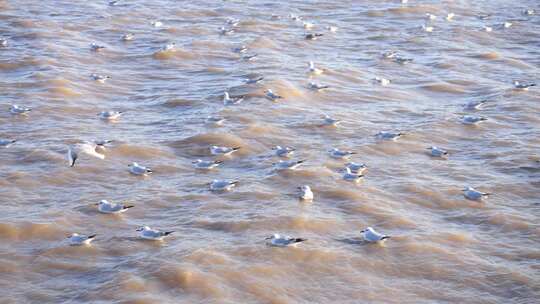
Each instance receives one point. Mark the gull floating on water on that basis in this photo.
(215, 120)
(523, 86)
(137, 169)
(227, 100)
(288, 165)
(110, 115)
(356, 168)
(96, 47)
(402, 60)
(313, 69)
(473, 194)
(427, 28)
(87, 148)
(240, 49)
(112, 208)
(382, 81)
(3, 42)
(128, 37)
(222, 185)
(284, 151)
(226, 31)
(77, 240)
(388, 135)
(370, 235)
(488, 28)
(332, 28)
(313, 36)
(340, 154)
(295, 17)
(529, 12)
(148, 233)
(316, 86)
(156, 23)
(277, 240)
(206, 164)
(100, 78)
(350, 176)
(472, 120)
(475, 105)
(6, 143)
(507, 24)
(389, 54)
(430, 16)
(19, 110)
(271, 95)
(232, 21)
(483, 16)
(169, 47)
(329, 121)
(249, 57)
(305, 193)
(253, 80)
(450, 16)
(437, 152)
(217, 150)
(308, 25)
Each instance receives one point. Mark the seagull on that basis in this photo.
(475, 105)
(437, 152)
(249, 57)
(389, 54)
(450, 16)
(317, 87)
(340, 154)
(128, 37)
(232, 21)
(404, 1)
(305, 193)
(473, 194)
(529, 12)
(313, 69)
(216, 150)
(114, 3)
(222, 185)
(96, 47)
(156, 23)
(308, 25)
(215, 120)
(350, 176)
(356, 168)
(382, 81)
(168, 47)
(19, 110)
(313, 36)
(427, 28)
(111, 208)
(388, 135)
(100, 78)
(6, 143)
(488, 28)
(148, 233)
(240, 49)
(271, 95)
(253, 80)
(206, 165)
(77, 240)
(226, 31)
(370, 235)
(137, 169)
(431, 16)
(227, 100)
(110, 115)
(332, 28)
(523, 86)
(472, 120)
(287, 165)
(507, 24)
(402, 60)
(295, 17)
(82, 148)
(284, 151)
(277, 240)
(3, 42)
(329, 121)
(483, 16)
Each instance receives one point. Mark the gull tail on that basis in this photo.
(234, 183)
(236, 148)
(127, 207)
(92, 236)
(298, 240)
(167, 233)
(385, 237)
(301, 161)
(217, 162)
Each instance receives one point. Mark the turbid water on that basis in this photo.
(444, 248)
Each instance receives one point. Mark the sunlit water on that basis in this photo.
(444, 248)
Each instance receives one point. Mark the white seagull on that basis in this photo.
(316, 86)
(370, 235)
(431, 16)
(206, 164)
(96, 47)
(3, 42)
(110, 115)
(277, 240)
(284, 151)
(215, 120)
(137, 169)
(87, 148)
(288, 165)
(6, 143)
(216, 150)
(253, 80)
(77, 240)
(356, 168)
(450, 16)
(128, 37)
(472, 120)
(332, 28)
(427, 28)
(169, 47)
(271, 95)
(473, 194)
(156, 23)
(352, 177)
(305, 193)
(226, 31)
(112, 208)
(148, 233)
(100, 78)
(340, 154)
(19, 110)
(523, 86)
(384, 135)
(437, 152)
(329, 121)
(227, 100)
(313, 69)
(488, 29)
(475, 105)
(222, 185)
(382, 81)
(389, 54)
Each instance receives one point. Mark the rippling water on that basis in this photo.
(444, 248)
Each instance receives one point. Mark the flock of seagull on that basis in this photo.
(353, 172)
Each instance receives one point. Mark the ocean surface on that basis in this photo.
(444, 248)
